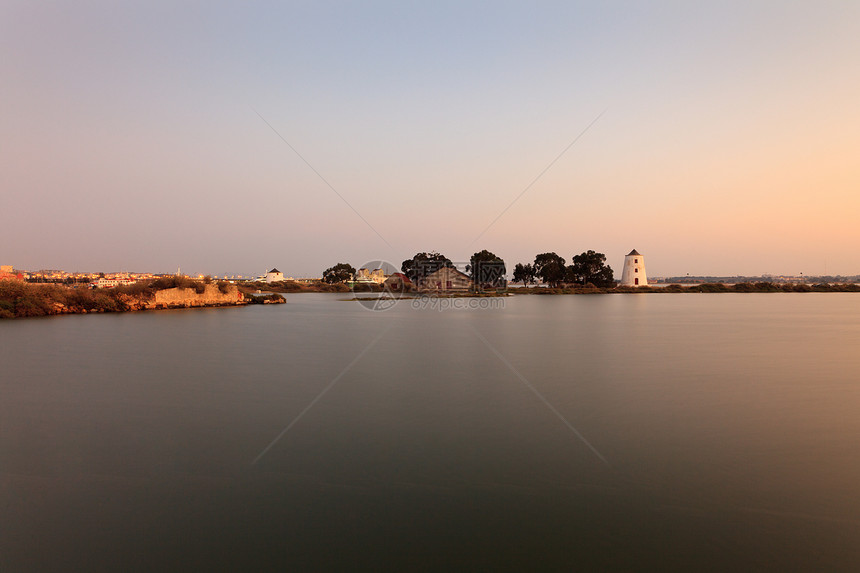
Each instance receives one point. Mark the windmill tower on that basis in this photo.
(634, 270)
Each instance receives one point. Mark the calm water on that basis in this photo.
(695, 432)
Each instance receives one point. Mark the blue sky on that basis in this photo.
(131, 138)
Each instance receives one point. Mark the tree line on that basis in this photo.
(586, 268)
(488, 270)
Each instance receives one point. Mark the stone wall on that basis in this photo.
(186, 297)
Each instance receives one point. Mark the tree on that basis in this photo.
(423, 264)
(550, 268)
(524, 274)
(589, 267)
(339, 273)
(487, 270)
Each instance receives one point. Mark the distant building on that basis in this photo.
(365, 276)
(274, 275)
(634, 270)
(110, 282)
(446, 279)
(7, 272)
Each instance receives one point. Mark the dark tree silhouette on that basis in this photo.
(423, 264)
(339, 273)
(524, 274)
(550, 268)
(589, 267)
(487, 270)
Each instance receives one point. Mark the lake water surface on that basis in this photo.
(631, 432)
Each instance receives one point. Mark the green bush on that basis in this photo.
(81, 298)
(708, 287)
(291, 286)
(139, 289)
(766, 287)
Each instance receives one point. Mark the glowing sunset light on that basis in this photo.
(727, 143)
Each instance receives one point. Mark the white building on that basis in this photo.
(366, 276)
(274, 275)
(634, 270)
(110, 282)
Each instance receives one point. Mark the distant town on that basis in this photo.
(364, 276)
(113, 279)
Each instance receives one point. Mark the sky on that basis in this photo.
(716, 138)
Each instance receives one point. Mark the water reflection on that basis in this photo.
(728, 423)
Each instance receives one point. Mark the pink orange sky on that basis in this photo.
(727, 144)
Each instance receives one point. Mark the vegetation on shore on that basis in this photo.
(588, 268)
(149, 288)
(20, 299)
(271, 298)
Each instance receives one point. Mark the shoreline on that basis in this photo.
(28, 300)
(704, 288)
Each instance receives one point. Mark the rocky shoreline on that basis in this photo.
(21, 300)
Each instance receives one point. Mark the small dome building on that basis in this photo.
(634, 270)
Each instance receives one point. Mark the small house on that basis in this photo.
(446, 279)
(398, 282)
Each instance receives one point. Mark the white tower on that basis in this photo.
(634, 270)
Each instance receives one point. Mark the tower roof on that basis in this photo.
(634, 252)
(274, 271)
